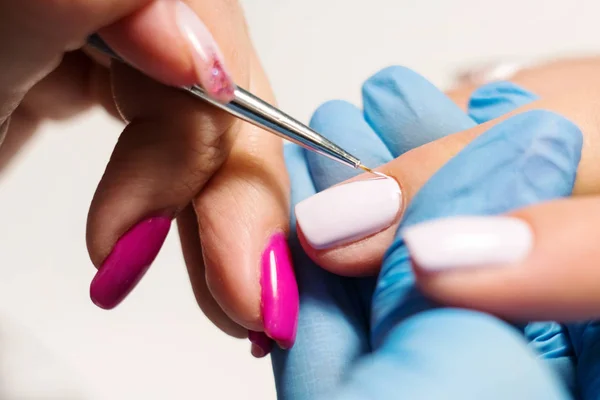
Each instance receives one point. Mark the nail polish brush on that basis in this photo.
(252, 109)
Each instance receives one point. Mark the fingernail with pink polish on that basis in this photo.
(128, 261)
(208, 59)
(279, 293)
(261, 344)
(349, 212)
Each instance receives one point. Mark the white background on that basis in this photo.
(54, 344)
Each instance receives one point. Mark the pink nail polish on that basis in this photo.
(279, 297)
(208, 60)
(128, 261)
(261, 344)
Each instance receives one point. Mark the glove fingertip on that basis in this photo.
(495, 99)
(407, 111)
(328, 111)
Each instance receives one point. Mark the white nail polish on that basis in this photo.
(349, 212)
(467, 242)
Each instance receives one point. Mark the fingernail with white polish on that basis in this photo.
(208, 60)
(468, 242)
(349, 212)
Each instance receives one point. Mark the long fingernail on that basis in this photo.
(279, 292)
(467, 242)
(128, 262)
(349, 212)
(208, 59)
(261, 344)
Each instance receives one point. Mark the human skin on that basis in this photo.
(176, 159)
(567, 87)
(218, 160)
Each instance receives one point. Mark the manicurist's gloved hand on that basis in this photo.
(223, 181)
(361, 338)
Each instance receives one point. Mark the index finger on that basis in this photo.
(415, 167)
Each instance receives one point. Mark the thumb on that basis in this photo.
(163, 38)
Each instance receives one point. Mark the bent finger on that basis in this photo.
(192, 254)
(167, 153)
(164, 156)
(243, 216)
(77, 84)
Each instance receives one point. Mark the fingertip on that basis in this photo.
(407, 111)
(344, 124)
(330, 110)
(387, 76)
(562, 124)
(561, 148)
(261, 344)
(150, 40)
(495, 99)
(551, 155)
(128, 262)
(243, 216)
(388, 86)
(399, 86)
(279, 292)
(362, 258)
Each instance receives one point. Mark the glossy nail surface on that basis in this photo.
(467, 242)
(349, 212)
(128, 261)
(261, 344)
(279, 292)
(208, 59)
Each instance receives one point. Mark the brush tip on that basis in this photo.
(365, 168)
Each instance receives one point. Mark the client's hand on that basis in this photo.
(440, 353)
(354, 248)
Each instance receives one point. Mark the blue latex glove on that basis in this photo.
(439, 353)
